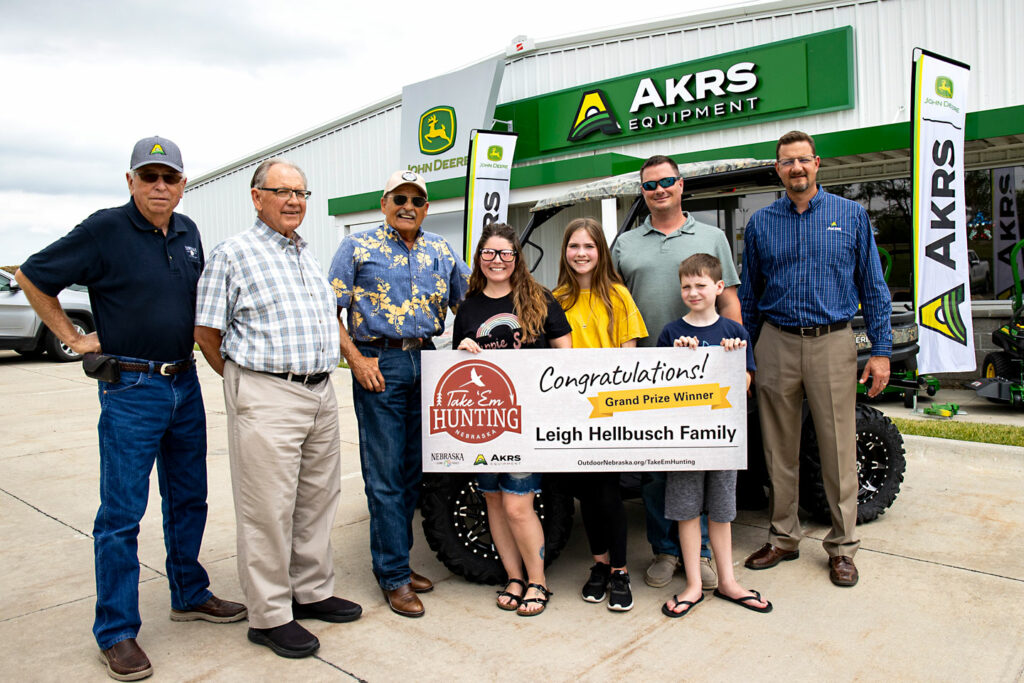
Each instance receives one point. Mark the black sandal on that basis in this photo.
(543, 602)
(513, 600)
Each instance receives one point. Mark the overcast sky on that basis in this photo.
(83, 81)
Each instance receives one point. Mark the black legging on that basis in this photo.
(604, 517)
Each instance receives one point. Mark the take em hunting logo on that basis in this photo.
(437, 130)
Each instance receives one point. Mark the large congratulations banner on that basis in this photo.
(584, 410)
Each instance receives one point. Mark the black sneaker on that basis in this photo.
(620, 598)
(596, 586)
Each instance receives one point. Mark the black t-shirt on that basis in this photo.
(493, 323)
(142, 283)
(709, 335)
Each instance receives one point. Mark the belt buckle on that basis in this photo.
(164, 367)
(810, 332)
(412, 344)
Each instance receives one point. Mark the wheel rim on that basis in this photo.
(872, 465)
(67, 349)
(469, 517)
(990, 370)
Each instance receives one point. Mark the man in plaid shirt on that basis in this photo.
(266, 321)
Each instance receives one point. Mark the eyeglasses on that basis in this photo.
(651, 185)
(401, 199)
(286, 192)
(152, 176)
(506, 254)
(804, 161)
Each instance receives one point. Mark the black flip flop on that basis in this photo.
(745, 601)
(668, 612)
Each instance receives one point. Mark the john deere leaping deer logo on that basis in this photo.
(944, 87)
(437, 130)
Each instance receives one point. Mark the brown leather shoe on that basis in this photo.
(842, 571)
(420, 583)
(125, 661)
(404, 601)
(213, 610)
(768, 555)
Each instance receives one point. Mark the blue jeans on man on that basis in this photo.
(147, 418)
(390, 457)
(663, 534)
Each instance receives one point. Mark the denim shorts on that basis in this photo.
(519, 483)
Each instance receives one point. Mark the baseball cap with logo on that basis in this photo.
(405, 178)
(156, 150)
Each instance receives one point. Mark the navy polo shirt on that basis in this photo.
(142, 284)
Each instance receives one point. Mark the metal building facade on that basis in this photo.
(354, 154)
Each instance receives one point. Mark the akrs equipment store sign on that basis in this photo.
(796, 77)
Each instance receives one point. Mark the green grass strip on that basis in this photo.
(977, 432)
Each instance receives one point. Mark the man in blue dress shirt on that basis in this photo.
(808, 259)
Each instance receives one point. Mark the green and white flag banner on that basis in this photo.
(1006, 230)
(487, 184)
(942, 272)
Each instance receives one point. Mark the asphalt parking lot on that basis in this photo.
(941, 594)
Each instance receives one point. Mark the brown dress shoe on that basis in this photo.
(404, 601)
(125, 661)
(842, 571)
(768, 556)
(420, 583)
(213, 610)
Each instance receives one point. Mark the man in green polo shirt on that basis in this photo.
(648, 259)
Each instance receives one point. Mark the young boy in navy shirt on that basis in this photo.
(687, 494)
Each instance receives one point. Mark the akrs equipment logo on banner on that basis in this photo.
(593, 115)
(474, 402)
(437, 130)
(942, 271)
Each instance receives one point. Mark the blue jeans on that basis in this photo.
(390, 458)
(147, 418)
(662, 534)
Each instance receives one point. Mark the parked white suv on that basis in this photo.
(21, 329)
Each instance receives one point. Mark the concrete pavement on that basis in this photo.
(941, 595)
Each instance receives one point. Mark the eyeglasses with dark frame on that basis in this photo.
(401, 199)
(506, 254)
(286, 193)
(152, 176)
(652, 185)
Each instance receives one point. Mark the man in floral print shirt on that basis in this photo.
(397, 283)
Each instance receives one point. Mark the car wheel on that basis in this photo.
(61, 352)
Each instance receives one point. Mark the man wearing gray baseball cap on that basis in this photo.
(141, 262)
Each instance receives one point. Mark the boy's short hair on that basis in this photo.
(701, 264)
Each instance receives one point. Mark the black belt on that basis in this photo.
(408, 344)
(162, 368)
(301, 379)
(814, 330)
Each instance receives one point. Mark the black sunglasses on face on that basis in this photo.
(153, 176)
(651, 185)
(401, 199)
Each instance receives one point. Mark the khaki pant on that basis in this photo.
(825, 369)
(286, 477)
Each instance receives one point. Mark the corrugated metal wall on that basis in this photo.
(356, 154)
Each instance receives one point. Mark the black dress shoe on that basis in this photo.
(289, 640)
(337, 610)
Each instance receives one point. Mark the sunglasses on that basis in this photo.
(401, 199)
(506, 254)
(153, 176)
(651, 185)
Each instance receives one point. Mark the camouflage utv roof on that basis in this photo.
(628, 184)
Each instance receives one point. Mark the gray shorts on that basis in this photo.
(688, 494)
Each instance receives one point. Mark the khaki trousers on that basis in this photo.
(825, 369)
(284, 446)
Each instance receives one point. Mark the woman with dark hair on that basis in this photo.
(507, 309)
(603, 315)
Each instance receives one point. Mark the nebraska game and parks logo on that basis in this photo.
(474, 402)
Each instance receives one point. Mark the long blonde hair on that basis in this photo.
(528, 295)
(603, 278)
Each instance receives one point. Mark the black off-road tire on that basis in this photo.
(58, 350)
(455, 525)
(999, 364)
(881, 463)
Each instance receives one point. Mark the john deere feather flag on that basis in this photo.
(942, 272)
